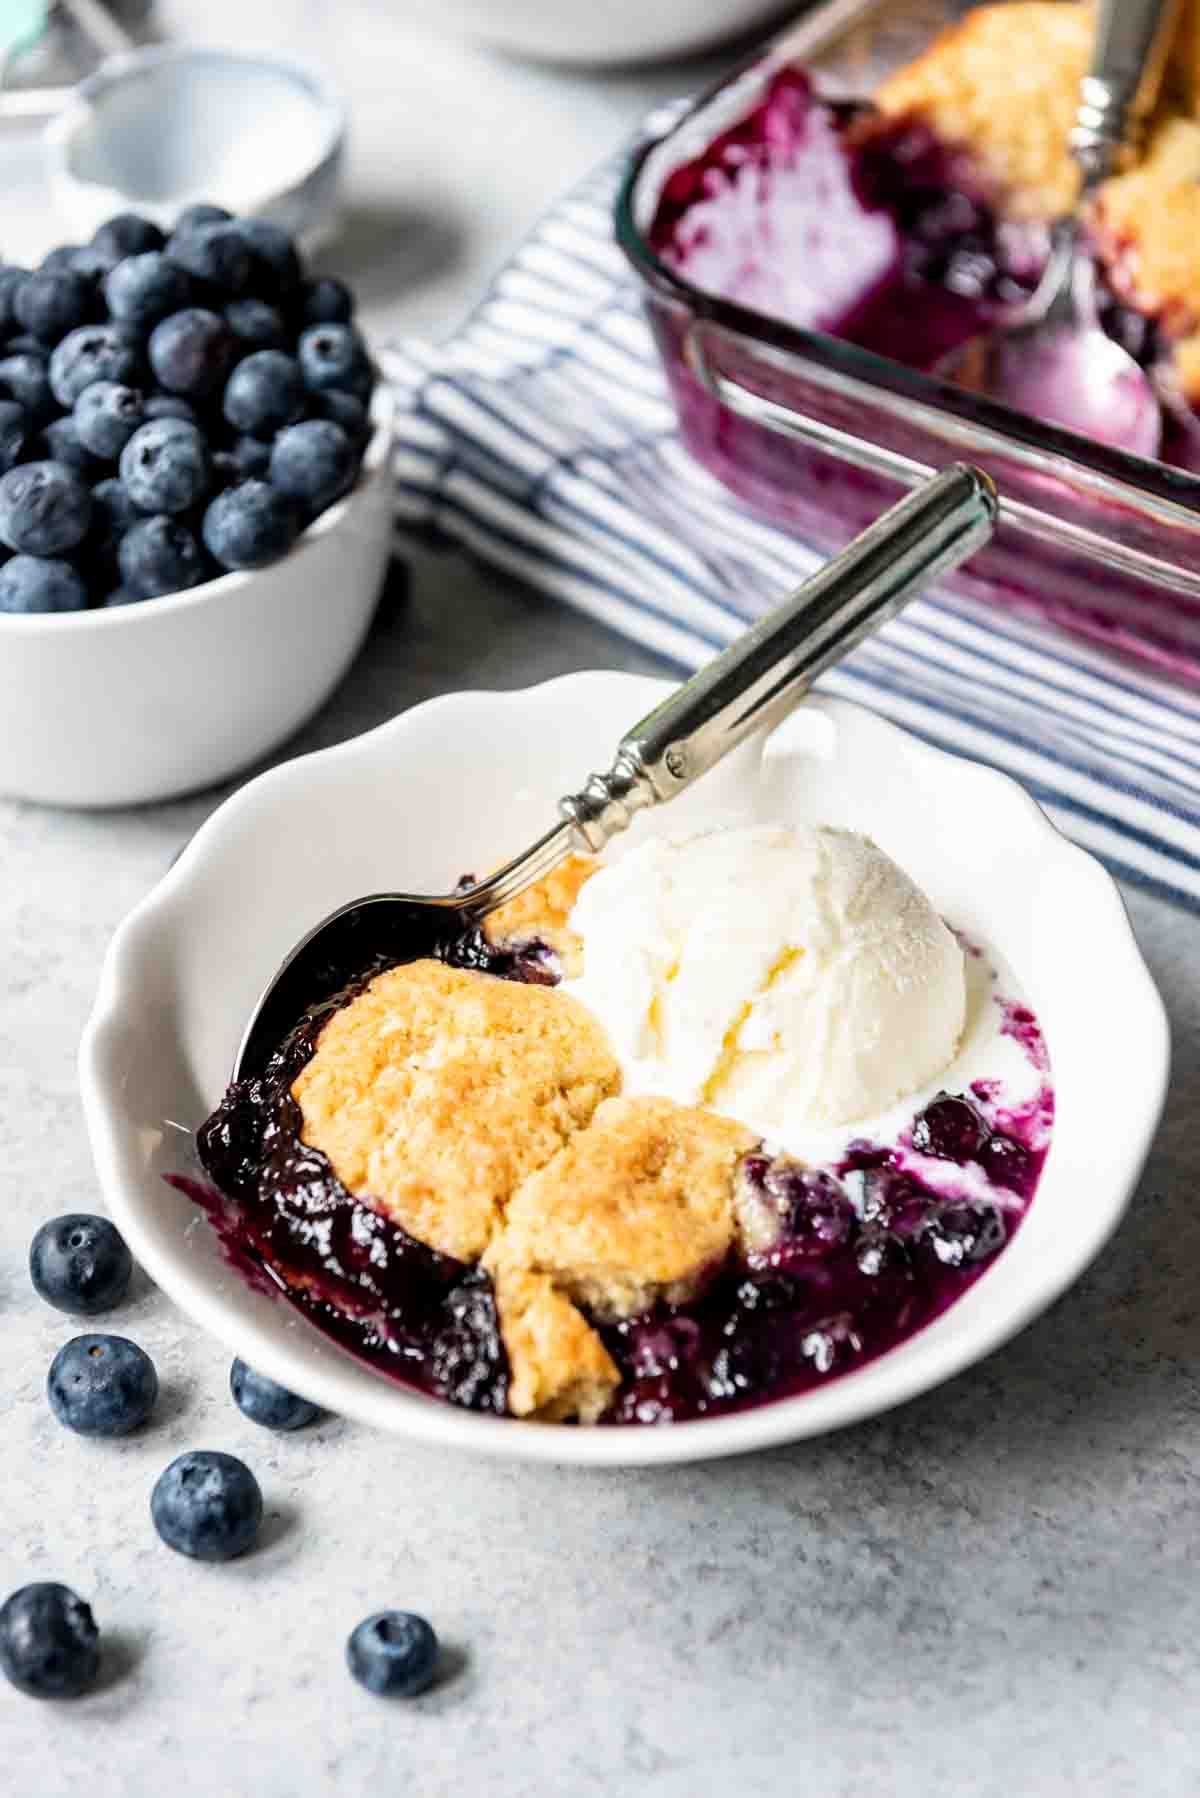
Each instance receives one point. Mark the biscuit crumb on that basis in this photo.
(437, 1090)
(543, 912)
(558, 1366)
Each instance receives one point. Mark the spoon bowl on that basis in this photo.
(1067, 373)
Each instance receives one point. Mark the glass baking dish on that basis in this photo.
(818, 435)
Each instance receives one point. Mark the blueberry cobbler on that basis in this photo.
(670, 1137)
(913, 223)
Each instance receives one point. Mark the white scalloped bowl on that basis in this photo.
(460, 783)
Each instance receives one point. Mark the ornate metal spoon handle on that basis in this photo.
(1118, 92)
(756, 682)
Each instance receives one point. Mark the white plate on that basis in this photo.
(460, 783)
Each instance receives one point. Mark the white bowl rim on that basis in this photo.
(224, 586)
(124, 64)
(846, 1400)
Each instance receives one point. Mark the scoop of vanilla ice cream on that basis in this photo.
(782, 976)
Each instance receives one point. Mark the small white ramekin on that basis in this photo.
(156, 129)
(157, 698)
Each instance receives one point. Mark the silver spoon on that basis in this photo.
(1052, 359)
(751, 686)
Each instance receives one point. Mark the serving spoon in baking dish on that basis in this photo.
(1052, 358)
(750, 686)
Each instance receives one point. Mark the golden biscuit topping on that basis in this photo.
(437, 1090)
(1004, 82)
(543, 911)
(558, 1366)
(637, 1207)
(1003, 85)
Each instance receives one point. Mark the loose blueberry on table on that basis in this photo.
(102, 1385)
(266, 1402)
(393, 1654)
(80, 1264)
(151, 389)
(49, 1643)
(867, 1251)
(207, 1505)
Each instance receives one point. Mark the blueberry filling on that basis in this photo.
(958, 261)
(845, 1261)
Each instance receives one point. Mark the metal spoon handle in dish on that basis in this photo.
(760, 678)
(1117, 95)
(1053, 359)
(752, 685)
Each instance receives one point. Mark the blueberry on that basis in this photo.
(264, 393)
(249, 525)
(877, 1251)
(393, 1654)
(817, 1215)
(217, 254)
(49, 1643)
(468, 1363)
(1008, 1163)
(106, 416)
(15, 432)
(951, 1128)
(91, 263)
(23, 378)
(25, 345)
(160, 555)
(961, 1234)
(314, 462)
(247, 459)
(143, 289)
(59, 259)
(255, 323)
(120, 596)
(264, 1402)
(342, 409)
(79, 1263)
(127, 234)
(164, 466)
(44, 508)
(193, 217)
(11, 277)
(61, 442)
(326, 302)
(101, 1385)
(251, 457)
(207, 1505)
(52, 302)
(40, 584)
(113, 513)
(93, 353)
(335, 356)
(191, 352)
(169, 405)
(275, 266)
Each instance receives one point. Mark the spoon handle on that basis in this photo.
(1117, 95)
(757, 681)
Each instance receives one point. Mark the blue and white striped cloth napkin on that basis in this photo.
(541, 440)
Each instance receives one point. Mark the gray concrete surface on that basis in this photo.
(991, 1593)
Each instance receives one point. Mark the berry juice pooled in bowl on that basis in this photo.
(673, 1136)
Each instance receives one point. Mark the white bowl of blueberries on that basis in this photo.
(194, 516)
